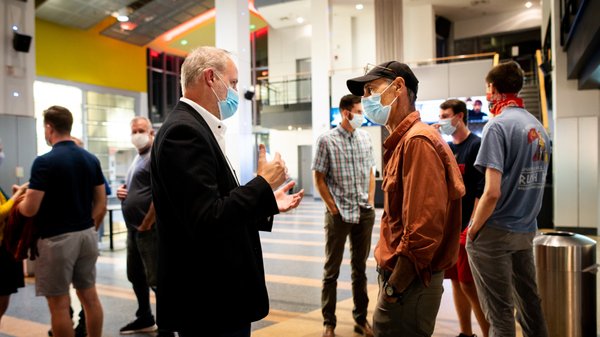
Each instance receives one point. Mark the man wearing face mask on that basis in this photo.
(465, 146)
(422, 185)
(139, 215)
(514, 157)
(343, 174)
(204, 215)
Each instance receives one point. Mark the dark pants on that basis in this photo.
(237, 331)
(336, 232)
(504, 271)
(141, 267)
(412, 316)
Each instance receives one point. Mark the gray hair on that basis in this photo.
(200, 59)
(141, 118)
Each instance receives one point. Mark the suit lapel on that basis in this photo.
(189, 109)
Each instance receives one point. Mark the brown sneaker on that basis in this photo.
(328, 332)
(364, 329)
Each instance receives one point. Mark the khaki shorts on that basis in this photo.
(65, 259)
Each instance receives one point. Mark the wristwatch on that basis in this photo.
(389, 289)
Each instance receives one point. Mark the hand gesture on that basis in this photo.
(286, 201)
(275, 171)
(19, 190)
(122, 192)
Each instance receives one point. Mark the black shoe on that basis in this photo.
(463, 335)
(80, 330)
(139, 325)
(163, 333)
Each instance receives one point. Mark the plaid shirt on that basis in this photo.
(346, 160)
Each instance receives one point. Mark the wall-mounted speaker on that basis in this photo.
(21, 42)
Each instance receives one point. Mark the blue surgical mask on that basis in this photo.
(229, 105)
(374, 110)
(1, 157)
(356, 121)
(446, 126)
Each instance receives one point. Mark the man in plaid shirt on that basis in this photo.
(343, 173)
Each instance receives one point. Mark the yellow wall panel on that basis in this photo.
(88, 57)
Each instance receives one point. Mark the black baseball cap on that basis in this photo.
(390, 70)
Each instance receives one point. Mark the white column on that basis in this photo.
(233, 34)
(17, 68)
(320, 58)
(419, 32)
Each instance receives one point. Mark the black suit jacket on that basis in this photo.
(210, 258)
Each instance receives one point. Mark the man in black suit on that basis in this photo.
(210, 257)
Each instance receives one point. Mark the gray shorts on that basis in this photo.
(65, 259)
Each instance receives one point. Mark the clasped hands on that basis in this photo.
(275, 173)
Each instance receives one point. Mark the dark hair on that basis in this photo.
(59, 118)
(477, 102)
(457, 107)
(347, 102)
(506, 77)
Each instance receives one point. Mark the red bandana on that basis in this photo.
(500, 101)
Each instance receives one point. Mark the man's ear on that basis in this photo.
(208, 76)
(399, 83)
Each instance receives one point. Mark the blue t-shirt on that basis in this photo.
(68, 176)
(516, 144)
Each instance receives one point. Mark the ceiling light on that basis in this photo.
(122, 14)
(359, 6)
(528, 4)
(290, 127)
(252, 27)
(127, 25)
(184, 42)
(15, 28)
(300, 19)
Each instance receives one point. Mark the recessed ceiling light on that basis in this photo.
(15, 28)
(359, 6)
(528, 4)
(122, 18)
(184, 42)
(300, 19)
(290, 127)
(252, 27)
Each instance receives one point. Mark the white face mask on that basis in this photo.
(140, 140)
(356, 121)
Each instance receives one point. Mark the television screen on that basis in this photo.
(335, 117)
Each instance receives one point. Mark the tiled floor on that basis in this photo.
(293, 255)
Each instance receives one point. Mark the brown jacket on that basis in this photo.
(422, 188)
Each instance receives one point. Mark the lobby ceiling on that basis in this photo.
(176, 26)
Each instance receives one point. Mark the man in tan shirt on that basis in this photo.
(422, 187)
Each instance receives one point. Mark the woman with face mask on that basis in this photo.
(12, 270)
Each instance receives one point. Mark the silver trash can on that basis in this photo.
(566, 278)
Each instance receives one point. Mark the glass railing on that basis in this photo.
(282, 92)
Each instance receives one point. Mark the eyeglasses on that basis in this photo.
(371, 66)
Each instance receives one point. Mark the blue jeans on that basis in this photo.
(142, 255)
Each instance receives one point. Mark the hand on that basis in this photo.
(274, 172)
(286, 201)
(122, 192)
(18, 191)
(471, 233)
(334, 210)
